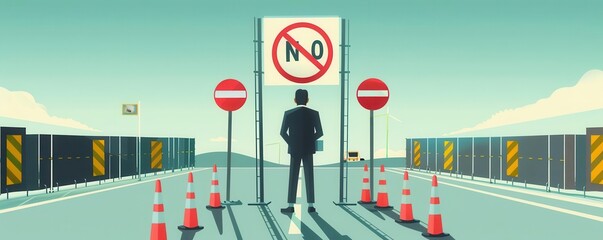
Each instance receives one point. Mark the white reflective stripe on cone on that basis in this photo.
(434, 209)
(189, 204)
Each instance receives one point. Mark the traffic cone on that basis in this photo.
(406, 205)
(190, 211)
(366, 191)
(434, 224)
(214, 195)
(382, 197)
(158, 231)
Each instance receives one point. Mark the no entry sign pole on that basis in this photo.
(372, 94)
(229, 156)
(230, 95)
(372, 153)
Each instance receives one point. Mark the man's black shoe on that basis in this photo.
(311, 209)
(287, 210)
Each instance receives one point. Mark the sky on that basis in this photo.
(454, 68)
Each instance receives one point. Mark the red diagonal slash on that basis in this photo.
(322, 69)
(303, 51)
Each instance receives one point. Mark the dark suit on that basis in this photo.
(300, 129)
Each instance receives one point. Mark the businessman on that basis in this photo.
(300, 129)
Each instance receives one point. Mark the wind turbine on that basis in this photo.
(279, 149)
(387, 117)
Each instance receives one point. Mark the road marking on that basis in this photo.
(67, 193)
(89, 193)
(26, 201)
(299, 182)
(528, 192)
(296, 218)
(535, 204)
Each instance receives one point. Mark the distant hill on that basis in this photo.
(239, 160)
(390, 162)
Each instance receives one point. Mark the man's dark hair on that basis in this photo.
(301, 97)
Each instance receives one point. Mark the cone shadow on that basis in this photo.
(188, 234)
(395, 215)
(373, 210)
(217, 213)
(235, 225)
(391, 214)
(331, 232)
(449, 237)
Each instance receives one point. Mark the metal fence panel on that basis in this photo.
(12, 156)
(556, 160)
(570, 162)
(593, 160)
(481, 164)
(465, 147)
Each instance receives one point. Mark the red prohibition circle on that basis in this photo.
(230, 103)
(372, 102)
(285, 34)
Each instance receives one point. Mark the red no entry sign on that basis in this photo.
(230, 95)
(372, 94)
(305, 51)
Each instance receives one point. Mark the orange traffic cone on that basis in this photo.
(190, 211)
(214, 195)
(365, 198)
(406, 205)
(158, 231)
(382, 197)
(434, 224)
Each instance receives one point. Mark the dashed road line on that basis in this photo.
(517, 190)
(26, 201)
(519, 200)
(296, 219)
(21, 207)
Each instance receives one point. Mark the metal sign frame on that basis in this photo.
(259, 122)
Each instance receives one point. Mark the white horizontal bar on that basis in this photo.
(230, 94)
(373, 93)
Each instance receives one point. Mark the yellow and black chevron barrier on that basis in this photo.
(156, 155)
(98, 158)
(14, 159)
(596, 159)
(448, 157)
(417, 153)
(512, 158)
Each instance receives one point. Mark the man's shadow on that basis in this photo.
(331, 232)
(307, 232)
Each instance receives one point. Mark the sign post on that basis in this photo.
(131, 110)
(230, 95)
(297, 51)
(372, 94)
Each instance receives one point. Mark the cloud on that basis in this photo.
(220, 139)
(582, 97)
(23, 106)
(380, 153)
